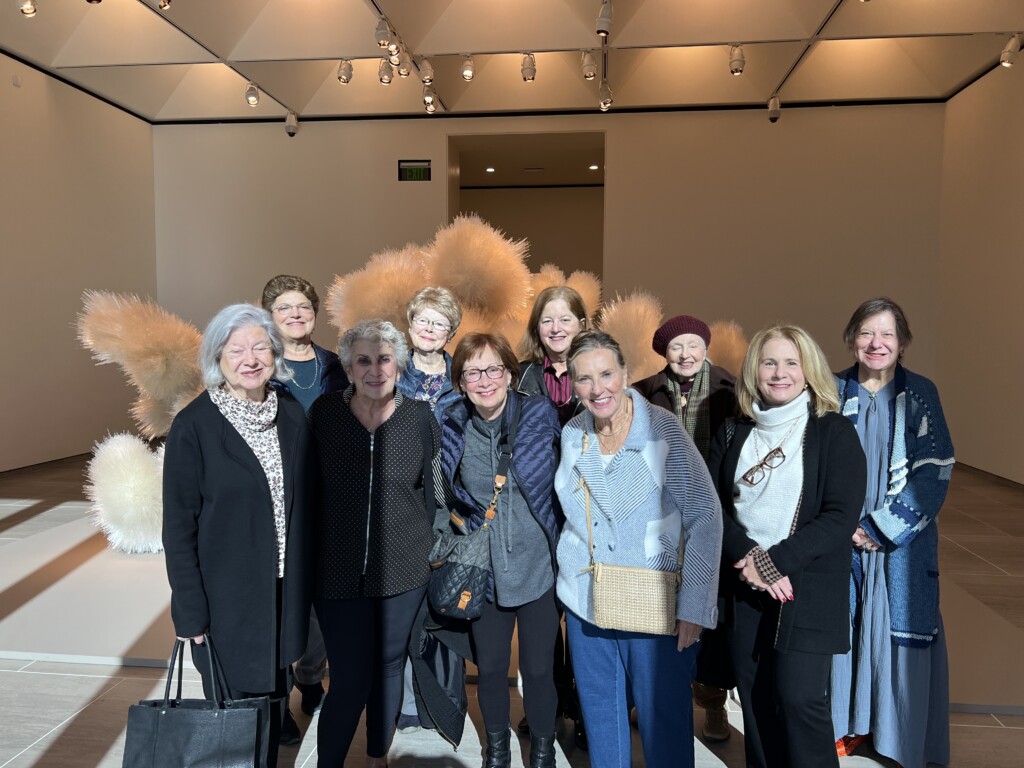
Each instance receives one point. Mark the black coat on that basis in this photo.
(817, 556)
(531, 382)
(221, 544)
(721, 394)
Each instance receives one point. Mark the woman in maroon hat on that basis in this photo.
(702, 396)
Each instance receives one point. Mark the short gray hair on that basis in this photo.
(379, 332)
(225, 323)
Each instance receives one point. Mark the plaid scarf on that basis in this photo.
(694, 412)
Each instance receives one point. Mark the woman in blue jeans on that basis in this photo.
(650, 499)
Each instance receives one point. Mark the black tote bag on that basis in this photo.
(197, 733)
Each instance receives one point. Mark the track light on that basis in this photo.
(605, 96)
(426, 71)
(164, 5)
(429, 94)
(529, 68)
(94, 2)
(1010, 51)
(604, 19)
(431, 107)
(28, 8)
(384, 72)
(737, 61)
(291, 124)
(252, 94)
(774, 109)
(468, 68)
(589, 66)
(383, 33)
(404, 64)
(345, 71)
(394, 59)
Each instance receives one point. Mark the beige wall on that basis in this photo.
(564, 225)
(981, 366)
(761, 219)
(76, 212)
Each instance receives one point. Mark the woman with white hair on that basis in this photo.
(237, 531)
(375, 530)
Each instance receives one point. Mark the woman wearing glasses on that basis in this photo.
(524, 534)
(434, 316)
(791, 478)
(293, 303)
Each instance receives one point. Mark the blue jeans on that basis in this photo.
(609, 665)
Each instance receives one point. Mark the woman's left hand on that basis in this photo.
(861, 540)
(687, 634)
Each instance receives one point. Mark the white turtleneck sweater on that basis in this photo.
(766, 510)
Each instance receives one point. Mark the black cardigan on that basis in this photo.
(221, 544)
(817, 556)
(374, 532)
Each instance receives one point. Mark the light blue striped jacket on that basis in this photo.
(655, 489)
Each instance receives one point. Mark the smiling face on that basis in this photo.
(600, 383)
(780, 373)
(247, 362)
(685, 355)
(487, 395)
(374, 369)
(429, 330)
(877, 345)
(557, 327)
(294, 316)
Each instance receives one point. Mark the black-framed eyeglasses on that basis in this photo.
(772, 460)
(473, 374)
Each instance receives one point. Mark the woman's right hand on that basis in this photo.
(861, 540)
(198, 639)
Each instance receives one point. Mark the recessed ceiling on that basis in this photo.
(192, 61)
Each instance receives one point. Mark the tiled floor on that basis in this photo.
(54, 713)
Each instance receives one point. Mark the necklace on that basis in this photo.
(626, 421)
(757, 442)
(316, 373)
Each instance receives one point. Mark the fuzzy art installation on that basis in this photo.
(485, 270)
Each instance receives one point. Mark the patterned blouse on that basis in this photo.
(257, 424)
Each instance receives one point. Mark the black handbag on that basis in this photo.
(194, 733)
(460, 560)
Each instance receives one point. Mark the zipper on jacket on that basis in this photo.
(369, 510)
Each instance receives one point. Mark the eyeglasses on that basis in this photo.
(286, 309)
(493, 372)
(438, 325)
(773, 460)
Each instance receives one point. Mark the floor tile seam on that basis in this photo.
(66, 720)
(979, 520)
(965, 549)
(1016, 727)
(26, 671)
(996, 727)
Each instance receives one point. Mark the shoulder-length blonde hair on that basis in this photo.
(821, 383)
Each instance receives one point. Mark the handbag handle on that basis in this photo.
(178, 654)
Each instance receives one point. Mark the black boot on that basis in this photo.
(542, 751)
(497, 754)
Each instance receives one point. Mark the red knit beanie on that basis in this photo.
(677, 326)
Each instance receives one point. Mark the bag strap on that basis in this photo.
(508, 438)
(178, 655)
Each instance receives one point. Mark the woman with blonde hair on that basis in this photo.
(791, 476)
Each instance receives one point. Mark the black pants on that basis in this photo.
(278, 696)
(787, 716)
(492, 650)
(366, 639)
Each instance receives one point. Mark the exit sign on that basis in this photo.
(414, 170)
